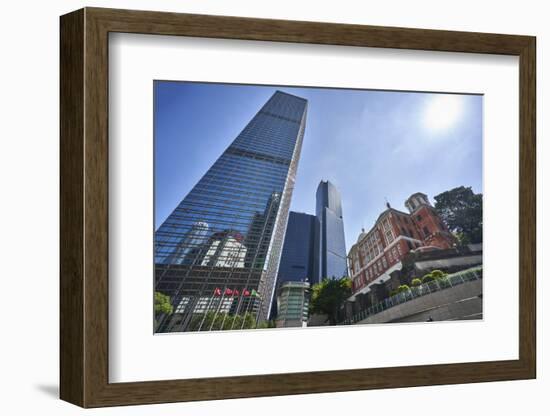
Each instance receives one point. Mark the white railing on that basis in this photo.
(414, 292)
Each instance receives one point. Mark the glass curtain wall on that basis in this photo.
(217, 254)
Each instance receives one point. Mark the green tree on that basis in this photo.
(162, 304)
(328, 296)
(462, 238)
(462, 211)
(266, 324)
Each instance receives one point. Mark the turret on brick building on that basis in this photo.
(432, 229)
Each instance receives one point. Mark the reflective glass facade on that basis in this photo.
(333, 262)
(219, 251)
(300, 257)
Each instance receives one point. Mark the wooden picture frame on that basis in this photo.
(84, 207)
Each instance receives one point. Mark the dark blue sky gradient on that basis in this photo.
(372, 145)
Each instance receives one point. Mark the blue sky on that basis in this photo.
(373, 145)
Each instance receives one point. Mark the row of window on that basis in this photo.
(402, 218)
(377, 268)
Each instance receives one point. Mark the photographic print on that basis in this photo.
(326, 180)
(296, 207)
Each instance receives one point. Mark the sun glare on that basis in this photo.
(443, 111)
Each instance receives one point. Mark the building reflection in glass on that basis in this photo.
(219, 250)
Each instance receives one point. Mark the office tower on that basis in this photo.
(219, 250)
(300, 256)
(292, 304)
(332, 241)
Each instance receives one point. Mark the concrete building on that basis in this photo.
(292, 305)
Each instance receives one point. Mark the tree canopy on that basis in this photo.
(328, 296)
(462, 211)
(162, 304)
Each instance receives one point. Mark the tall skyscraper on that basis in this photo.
(300, 256)
(332, 241)
(219, 250)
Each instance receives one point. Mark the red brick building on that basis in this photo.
(379, 251)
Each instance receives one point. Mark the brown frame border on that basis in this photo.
(84, 209)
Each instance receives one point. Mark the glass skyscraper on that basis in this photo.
(219, 251)
(332, 241)
(300, 256)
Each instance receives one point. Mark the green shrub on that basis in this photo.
(433, 275)
(438, 274)
(416, 282)
(403, 288)
(428, 278)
